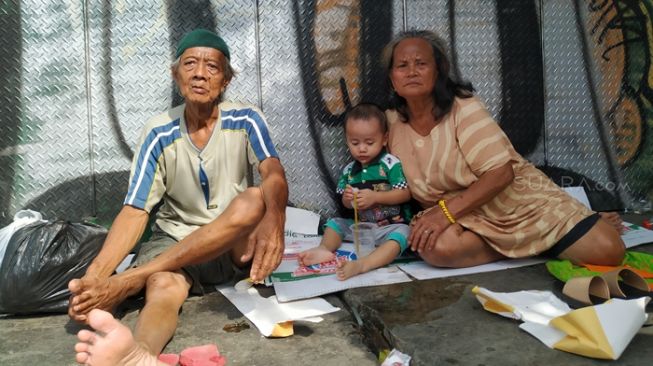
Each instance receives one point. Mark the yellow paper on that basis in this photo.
(282, 330)
(492, 305)
(585, 334)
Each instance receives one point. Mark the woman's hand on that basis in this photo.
(425, 229)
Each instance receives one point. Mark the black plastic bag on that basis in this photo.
(40, 260)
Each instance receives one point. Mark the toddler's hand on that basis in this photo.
(365, 198)
(348, 195)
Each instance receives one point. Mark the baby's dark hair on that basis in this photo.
(367, 111)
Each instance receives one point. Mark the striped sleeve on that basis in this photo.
(482, 142)
(146, 183)
(254, 124)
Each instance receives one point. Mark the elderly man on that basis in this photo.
(196, 159)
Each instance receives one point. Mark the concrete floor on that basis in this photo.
(436, 322)
(49, 340)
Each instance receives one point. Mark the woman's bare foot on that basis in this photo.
(95, 293)
(613, 219)
(347, 269)
(110, 344)
(315, 255)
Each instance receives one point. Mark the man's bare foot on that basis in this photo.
(95, 293)
(315, 255)
(110, 344)
(347, 269)
(613, 219)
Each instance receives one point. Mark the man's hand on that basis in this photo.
(266, 241)
(266, 244)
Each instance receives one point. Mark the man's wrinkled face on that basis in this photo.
(200, 75)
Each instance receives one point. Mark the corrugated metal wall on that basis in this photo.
(565, 79)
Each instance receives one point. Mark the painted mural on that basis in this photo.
(621, 44)
(569, 82)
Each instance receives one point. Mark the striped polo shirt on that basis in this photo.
(382, 174)
(195, 185)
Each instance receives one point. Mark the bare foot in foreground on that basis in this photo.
(613, 219)
(111, 344)
(347, 269)
(315, 255)
(93, 293)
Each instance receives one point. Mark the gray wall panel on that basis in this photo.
(289, 89)
(53, 134)
(80, 83)
(575, 140)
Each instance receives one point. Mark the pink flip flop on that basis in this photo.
(206, 355)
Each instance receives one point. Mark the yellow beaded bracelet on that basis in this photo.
(446, 212)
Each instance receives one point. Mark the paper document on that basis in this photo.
(266, 313)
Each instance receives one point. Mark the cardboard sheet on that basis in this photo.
(423, 271)
(289, 286)
(301, 222)
(316, 286)
(634, 235)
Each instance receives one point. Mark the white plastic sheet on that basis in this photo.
(21, 218)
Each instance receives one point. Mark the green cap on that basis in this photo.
(202, 38)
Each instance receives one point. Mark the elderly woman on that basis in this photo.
(481, 200)
(196, 160)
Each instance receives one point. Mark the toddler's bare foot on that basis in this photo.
(111, 344)
(347, 269)
(315, 255)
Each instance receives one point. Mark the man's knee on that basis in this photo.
(247, 208)
(170, 284)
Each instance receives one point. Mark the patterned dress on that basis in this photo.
(525, 219)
